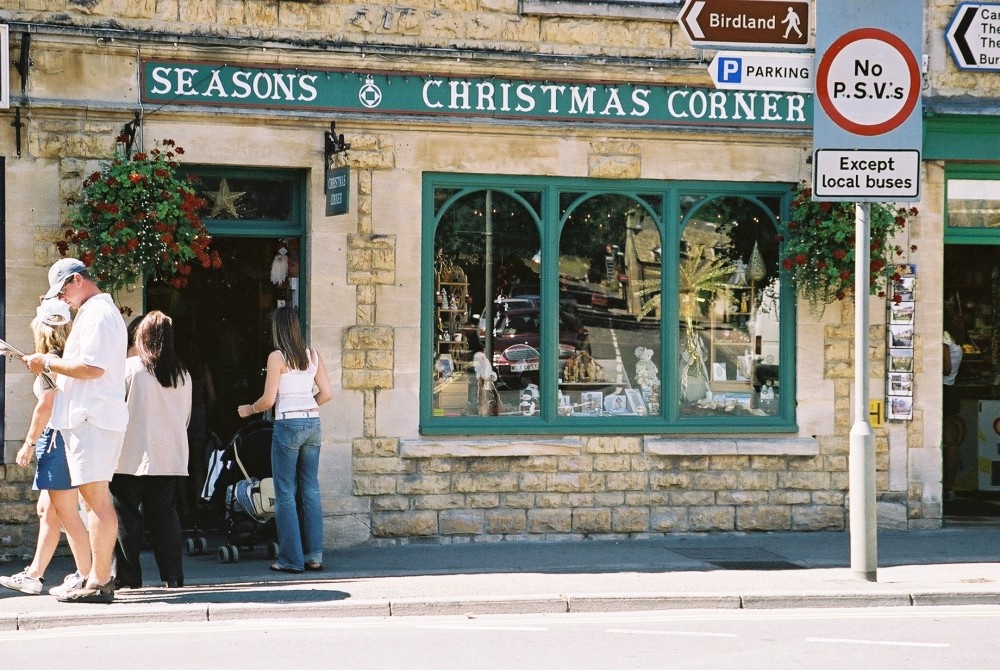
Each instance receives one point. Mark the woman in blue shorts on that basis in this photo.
(58, 504)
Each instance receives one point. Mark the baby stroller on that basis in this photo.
(247, 457)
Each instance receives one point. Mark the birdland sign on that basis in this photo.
(758, 23)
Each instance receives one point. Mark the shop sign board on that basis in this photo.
(868, 93)
(974, 36)
(337, 190)
(758, 23)
(762, 71)
(4, 66)
(355, 94)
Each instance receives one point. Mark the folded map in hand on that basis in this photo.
(8, 348)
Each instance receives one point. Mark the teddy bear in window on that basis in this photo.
(646, 372)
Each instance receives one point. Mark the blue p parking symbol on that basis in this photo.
(730, 70)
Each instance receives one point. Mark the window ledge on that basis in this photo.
(510, 446)
(792, 446)
(665, 11)
(462, 447)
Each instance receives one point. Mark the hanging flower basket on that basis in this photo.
(819, 249)
(137, 219)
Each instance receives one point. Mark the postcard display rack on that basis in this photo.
(899, 366)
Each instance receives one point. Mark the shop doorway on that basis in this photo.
(221, 318)
(971, 439)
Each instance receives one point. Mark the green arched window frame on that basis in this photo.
(550, 217)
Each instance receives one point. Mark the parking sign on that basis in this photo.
(762, 71)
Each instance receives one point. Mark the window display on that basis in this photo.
(729, 313)
(560, 288)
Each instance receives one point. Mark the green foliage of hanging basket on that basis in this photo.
(137, 219)
(818, 250)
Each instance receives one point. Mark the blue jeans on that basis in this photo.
(298, 512)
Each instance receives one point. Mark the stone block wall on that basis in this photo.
(18, 519)
(606, 487)
(484, 25)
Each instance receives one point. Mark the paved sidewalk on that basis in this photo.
(953, 566)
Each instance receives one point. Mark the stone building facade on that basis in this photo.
(386, 477)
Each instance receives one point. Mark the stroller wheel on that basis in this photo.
(189, 547)
(202, 545)
(272, 550)
(235, 553)
(224, 555)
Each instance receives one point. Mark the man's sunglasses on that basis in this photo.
(69, 280)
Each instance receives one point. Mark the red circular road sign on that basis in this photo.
(868, 81)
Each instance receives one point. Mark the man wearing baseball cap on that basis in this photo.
(90, 410)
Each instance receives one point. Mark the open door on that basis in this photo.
(222, 318)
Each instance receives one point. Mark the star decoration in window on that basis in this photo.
(224, 201)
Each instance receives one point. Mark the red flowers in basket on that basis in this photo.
(137, 219)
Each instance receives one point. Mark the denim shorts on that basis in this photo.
(52, 472)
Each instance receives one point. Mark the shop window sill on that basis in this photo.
(508, 446)
(462, 447)
(792, 446)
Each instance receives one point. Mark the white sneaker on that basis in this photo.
(71, 583)
(23, 583)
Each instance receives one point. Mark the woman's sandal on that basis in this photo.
(280, 568)
(314, 567)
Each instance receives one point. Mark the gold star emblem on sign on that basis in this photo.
(224, 200)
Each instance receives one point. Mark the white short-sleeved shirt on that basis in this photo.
(98, 339)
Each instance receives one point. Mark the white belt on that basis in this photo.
(310, 414)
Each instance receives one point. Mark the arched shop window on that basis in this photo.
(568, 306)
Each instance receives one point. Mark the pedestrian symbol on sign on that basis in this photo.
(792, 19)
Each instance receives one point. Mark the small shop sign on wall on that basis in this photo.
(338, 187)
(337, 184)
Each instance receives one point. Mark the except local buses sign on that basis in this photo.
(234, 86)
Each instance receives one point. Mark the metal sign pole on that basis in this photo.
(863, 520)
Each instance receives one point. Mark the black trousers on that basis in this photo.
(147, 502)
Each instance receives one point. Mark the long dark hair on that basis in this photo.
(287, 336)
(154, 341)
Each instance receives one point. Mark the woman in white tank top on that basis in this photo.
(296, 385)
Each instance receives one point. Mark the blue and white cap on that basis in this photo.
(61, 271)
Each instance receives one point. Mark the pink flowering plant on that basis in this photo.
(137, 219)
(818, 250)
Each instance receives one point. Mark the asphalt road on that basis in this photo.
(912, 638)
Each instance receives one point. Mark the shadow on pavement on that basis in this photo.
(232, 593)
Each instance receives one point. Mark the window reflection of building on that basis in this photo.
(642, 260)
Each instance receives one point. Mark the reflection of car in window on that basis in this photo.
(516, 344)
(500, 308)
